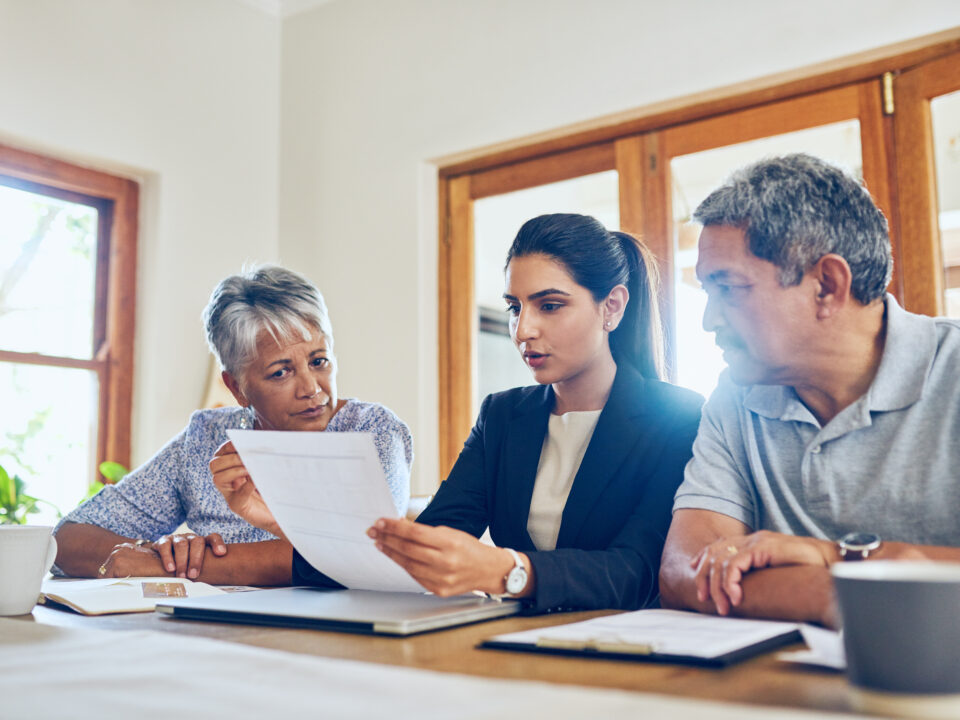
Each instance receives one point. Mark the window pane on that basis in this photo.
(48, 264)
(496, 222)
(945, 114)
(699, 361)
(48, 432)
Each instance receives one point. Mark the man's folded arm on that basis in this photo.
(690, 532)
(800, 592)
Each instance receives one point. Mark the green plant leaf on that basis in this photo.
(15, 504)
(112, 471)
(95, 487)
(6, 490)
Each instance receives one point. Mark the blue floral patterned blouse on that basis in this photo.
(176, 486)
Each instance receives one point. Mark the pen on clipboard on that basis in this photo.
(608, 645)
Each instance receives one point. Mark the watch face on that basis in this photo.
(859, 539)
(516, 580)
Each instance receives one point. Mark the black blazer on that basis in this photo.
(619, 508)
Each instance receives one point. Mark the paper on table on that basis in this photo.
(826, 649)
(663, 632)
(57, 672)
(325, 489)
(121, 595)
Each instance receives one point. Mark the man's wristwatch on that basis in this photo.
(858, 545)
(515, 580)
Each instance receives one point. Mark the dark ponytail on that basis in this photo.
(598, 260)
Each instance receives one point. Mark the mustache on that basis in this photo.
(729, 341)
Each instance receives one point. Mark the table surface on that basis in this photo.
(762, 680)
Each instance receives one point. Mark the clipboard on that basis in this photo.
(667, 636)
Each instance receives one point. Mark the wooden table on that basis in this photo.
(762, 680)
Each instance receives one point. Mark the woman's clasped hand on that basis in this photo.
(177, 554)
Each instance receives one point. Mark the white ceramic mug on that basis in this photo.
(27, 553)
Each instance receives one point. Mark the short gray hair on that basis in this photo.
(795, 209)
(264, 298)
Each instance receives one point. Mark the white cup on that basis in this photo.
(27, 553)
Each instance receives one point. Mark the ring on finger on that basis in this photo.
(732, 549)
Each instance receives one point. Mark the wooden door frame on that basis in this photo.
(635, 142)
(860, 101)
(457, 306)
(923, 289)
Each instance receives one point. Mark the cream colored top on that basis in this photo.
(568, 436)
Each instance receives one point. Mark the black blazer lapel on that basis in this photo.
(618, 428)
(526, 431)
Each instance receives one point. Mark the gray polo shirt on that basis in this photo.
(889, 463)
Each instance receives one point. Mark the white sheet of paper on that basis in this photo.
(826, 649)
(59, 672)
(325, 489)
(668, 632)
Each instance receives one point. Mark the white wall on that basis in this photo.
(183, 95)
(372, 89)
(204, 99)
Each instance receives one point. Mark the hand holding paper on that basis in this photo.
(233, 481)
(324, 490)
(444, 560)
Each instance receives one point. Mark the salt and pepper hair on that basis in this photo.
(264, 298)
(797, 208)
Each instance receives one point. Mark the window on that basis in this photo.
(890, 116)
(496, 221)
(927, 112)
(67, 254)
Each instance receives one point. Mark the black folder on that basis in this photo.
(650, 636)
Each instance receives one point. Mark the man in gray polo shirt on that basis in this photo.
(835, 433)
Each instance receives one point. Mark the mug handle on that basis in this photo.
(51, 555)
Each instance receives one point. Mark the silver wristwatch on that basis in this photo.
(858, 545)
(515, 580)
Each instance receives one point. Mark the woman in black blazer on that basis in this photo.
(583, 314)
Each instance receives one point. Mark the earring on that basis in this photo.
(607, 324)
(245, 422)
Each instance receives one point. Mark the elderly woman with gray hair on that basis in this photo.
(270, 331)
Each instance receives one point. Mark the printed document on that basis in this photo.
(325, 489)
(655, 633)
(825, 649)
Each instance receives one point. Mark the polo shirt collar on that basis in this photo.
(777, 402)
(908, 354)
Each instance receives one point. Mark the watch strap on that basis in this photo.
(518, 567)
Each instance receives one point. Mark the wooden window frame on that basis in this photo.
(638, 144)
(916, 169)
(117, 199)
